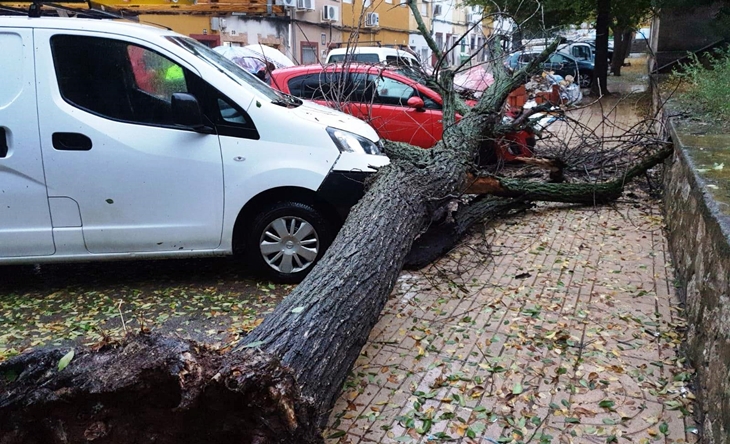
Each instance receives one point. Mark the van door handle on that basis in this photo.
(71, 142)
(3, 143)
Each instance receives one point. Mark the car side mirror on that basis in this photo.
(186, 112)
(417, 103)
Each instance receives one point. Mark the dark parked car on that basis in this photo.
(561, 64)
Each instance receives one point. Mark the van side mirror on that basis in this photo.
(417, 103)
(186, 112)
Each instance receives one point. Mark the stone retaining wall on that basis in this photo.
(699, 238)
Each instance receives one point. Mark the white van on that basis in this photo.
(373, 54)
(123, 141)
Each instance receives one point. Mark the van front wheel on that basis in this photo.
(287, 239)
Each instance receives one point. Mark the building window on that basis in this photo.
(211, 41)
(309, 53)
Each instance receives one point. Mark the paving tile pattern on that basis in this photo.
(557, 326)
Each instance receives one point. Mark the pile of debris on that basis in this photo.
(545, 86)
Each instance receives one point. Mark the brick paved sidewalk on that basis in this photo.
(557, 326)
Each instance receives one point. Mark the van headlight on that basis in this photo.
(352, 143)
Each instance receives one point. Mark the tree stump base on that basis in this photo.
(152, 388)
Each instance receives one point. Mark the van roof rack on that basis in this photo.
(85, 9)
(356, 44)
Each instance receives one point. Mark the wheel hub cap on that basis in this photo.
(289, 244)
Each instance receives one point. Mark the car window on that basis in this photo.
(430, 103)
(581, 52)
(557, 58)
(366, 58)
(226, 66)
(398, 61)
(526, 58)
(155, 74)
(229, 118)
(363, 87)
(309, 86)
(116, 79)
(230, 113)
(391, 91)
(320, 86)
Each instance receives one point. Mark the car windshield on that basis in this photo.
(227, 67)
(413, 74)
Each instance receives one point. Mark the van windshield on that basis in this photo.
(226, 66)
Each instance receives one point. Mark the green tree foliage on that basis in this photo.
(541, 19)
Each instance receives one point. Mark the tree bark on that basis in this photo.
(600, 77)
(621, 46)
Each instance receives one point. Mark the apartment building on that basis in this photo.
(305, 30)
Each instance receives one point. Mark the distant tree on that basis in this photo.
(626, 18)
(600, 70)
(620, 17)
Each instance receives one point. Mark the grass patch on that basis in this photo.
(706, 84)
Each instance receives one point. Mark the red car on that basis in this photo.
(398, 107)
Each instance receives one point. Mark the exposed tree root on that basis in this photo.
(153, 389)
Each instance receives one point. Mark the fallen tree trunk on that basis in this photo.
(585, 193)
(279, 383)
(317, 332)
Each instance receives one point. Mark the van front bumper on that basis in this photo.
(343, 189)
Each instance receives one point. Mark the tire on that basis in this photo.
(287, 239)
(585, 80)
